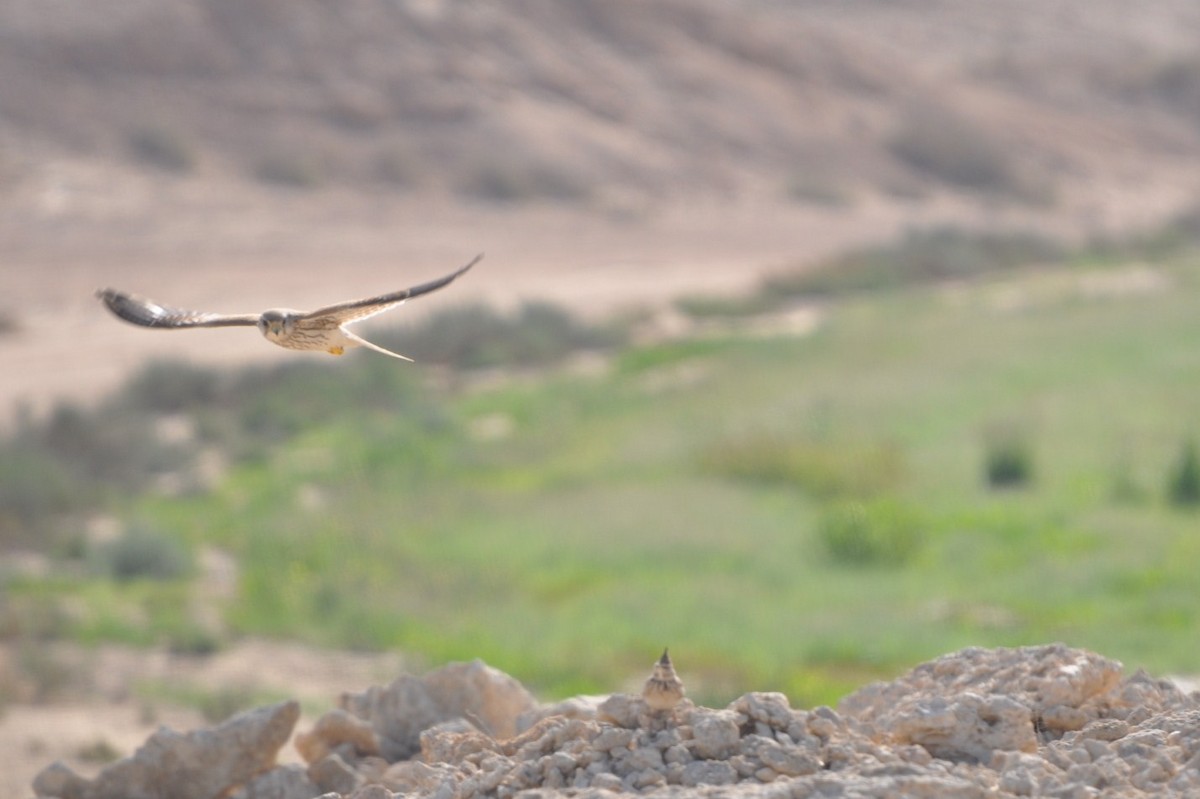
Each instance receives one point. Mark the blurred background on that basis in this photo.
(813, 339)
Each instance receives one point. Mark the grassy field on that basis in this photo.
(801, 514)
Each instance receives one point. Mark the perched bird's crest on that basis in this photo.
(663, 689)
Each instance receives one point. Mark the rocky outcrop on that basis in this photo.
(1034, 721)
(197, 765)
(474, 693)
(1057, 687)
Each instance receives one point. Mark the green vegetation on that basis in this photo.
(822, 469)
(792, 513)
(144, 554)
(1008, 457)
(921, 256)
(883, 533)
(100, 751)
(474, 336)
(717, 306)
(215, 704)
(1183, 487)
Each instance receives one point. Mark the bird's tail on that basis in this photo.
(364, 343)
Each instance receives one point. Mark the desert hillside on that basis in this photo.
(610, 102)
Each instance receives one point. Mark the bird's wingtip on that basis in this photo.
(109, 296)
(471, 263)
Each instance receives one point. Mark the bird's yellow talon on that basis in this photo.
(337, 350)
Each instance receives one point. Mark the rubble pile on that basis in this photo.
(1033, 721)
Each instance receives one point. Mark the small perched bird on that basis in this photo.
(322, 330)
(663, 690)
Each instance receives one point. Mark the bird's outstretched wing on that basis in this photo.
(148, 313)
(354, 310)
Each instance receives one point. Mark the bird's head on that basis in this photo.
(276, 324)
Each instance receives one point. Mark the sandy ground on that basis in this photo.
(67, 346)
(260, 251)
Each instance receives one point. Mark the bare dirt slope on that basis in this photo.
(603, 99)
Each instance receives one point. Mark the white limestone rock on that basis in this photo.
(473, 691)
(196, 765)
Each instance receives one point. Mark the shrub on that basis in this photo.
(819, 468)
(1180, 233)
(952, 148)
(225, 702)
(1183, 483)
(100, 751)
(193, 640)
(144, 554)
(275, 404)
(171, 387)
(473, 336)
(397, 168)
(545, 333)
(34, 489)
(1008, 457)
(882, 532)
(293, 171)
(513, 181)
(712, 306)
(162, 148)
(815, 191)
(1177, 83)
(113, 446)
(921, 256)
(270, 406)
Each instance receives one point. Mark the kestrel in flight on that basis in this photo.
(323, 329)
